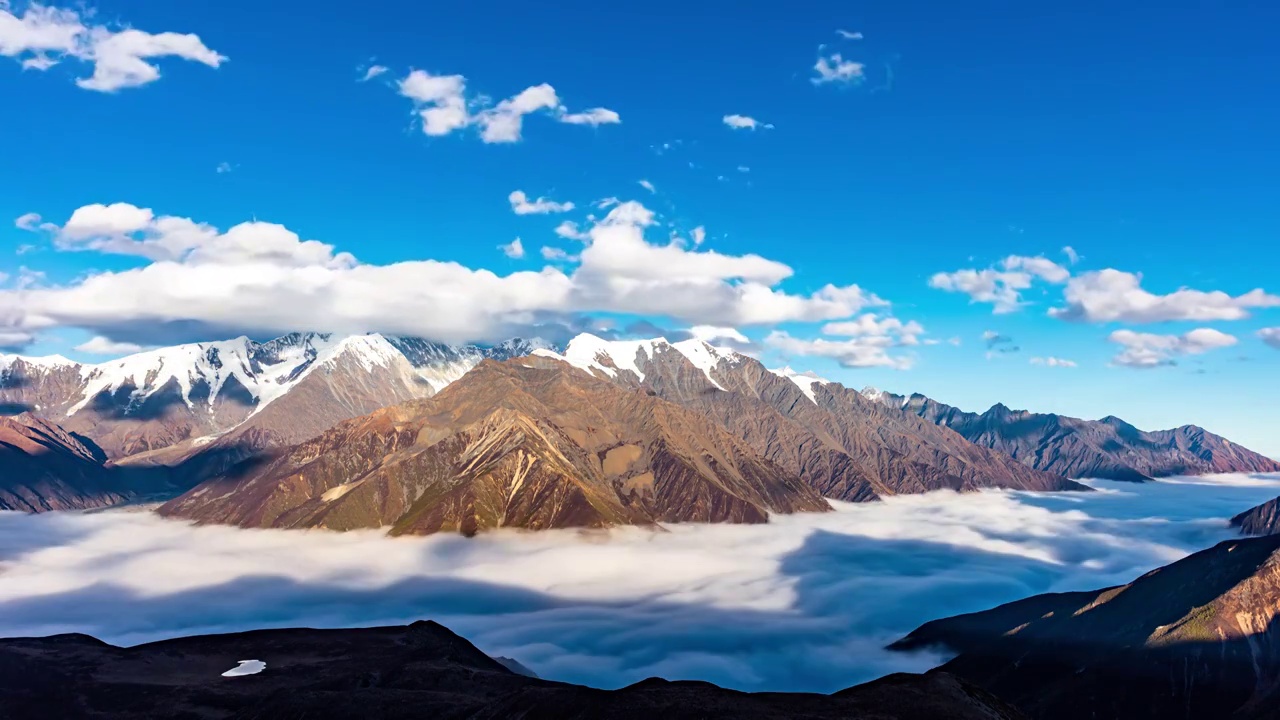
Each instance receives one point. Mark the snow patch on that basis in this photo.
(803, 380)
(246, 667)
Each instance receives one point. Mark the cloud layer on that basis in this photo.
(804, 603)
(260, 278)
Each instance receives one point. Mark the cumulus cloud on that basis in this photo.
(260, 278)
(1116, 296)
(744, 122)
(99, 345)
(1270, 336)
(522, 205)
(869, 341)
(513, 249)
(441, 104)
(806, 602)
(570, 231)
(1147, 350)
(223, 168)
(834, 68)
(43, 36)
(1001, 286)
(1053, 362)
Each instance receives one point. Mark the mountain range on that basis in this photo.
(1109, 448)
(313, 430)
(1198, 639)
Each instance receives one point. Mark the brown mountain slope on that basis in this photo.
(1109, 448)
(43, 467)
(1197, 639)
(508, 445)
(844, 445)
(1261, 520)
(397, 673)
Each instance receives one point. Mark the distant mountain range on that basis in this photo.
(372, 431)
(1198, 639)
(1109, 448)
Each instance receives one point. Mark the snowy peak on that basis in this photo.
(614, 359)
(803, 380)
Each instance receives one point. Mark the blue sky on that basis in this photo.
(1142, 138)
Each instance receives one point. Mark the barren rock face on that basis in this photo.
(1261, 520)
(512, 444)
(844, 445)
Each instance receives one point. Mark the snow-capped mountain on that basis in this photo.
(199, 392)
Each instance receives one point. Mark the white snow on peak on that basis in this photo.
(803, 380)
(47, 362)
(609, 357)
(372, 350)
(872, 393)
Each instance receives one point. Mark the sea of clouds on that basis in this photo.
(807, 602)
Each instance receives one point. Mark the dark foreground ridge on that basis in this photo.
(420, 671)
(1195, 640)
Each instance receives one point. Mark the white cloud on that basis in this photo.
(1112, 295)
(711, 334)
(556, 254)
(260, 278)
(1053, 362)
(522, 205)
(802, 603)
(43, 36)
(870, 340)
(1072, 256)
(372, 72)
(99, 345)
(224, 168)
(648, 186)
(1270, 336)
(570, 230)
(1147, 350)
(28, 221)
(834, 68)
(1001, 287)
(699, 235)
(849, 35)
(593, 117)
(513, 249)
(744, 169)
(744, 122)
(441, 104)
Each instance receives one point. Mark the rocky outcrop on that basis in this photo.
(1109, 448)
(1197, 639)
(1261, 520)
(397, 673)
(516, 444)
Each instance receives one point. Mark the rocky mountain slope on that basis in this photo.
(1196, 639)
(843, 444)
(187, 412)
(419, 671)
(1109, 448)
(47, 468)
(516, 444)
(1261, 520)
